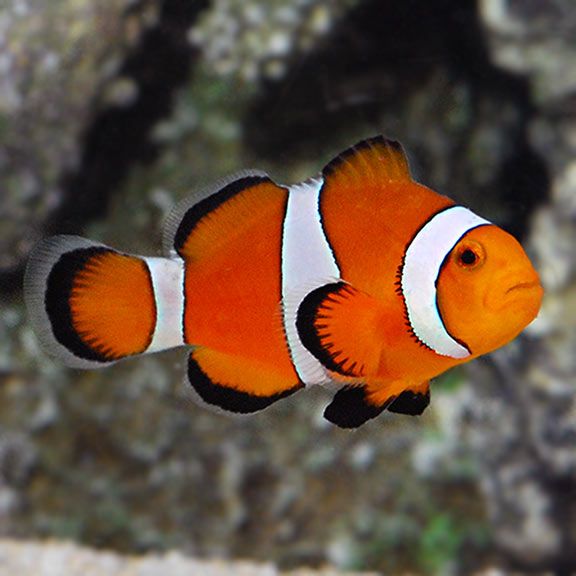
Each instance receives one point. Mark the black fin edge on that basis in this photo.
(379, 140)
(350, 409)
(410, 403)
(196, 212)
(306, 325)
(228, 398)
(59, 287)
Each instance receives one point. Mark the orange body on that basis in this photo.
(360, 277)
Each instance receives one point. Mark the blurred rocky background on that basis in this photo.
(112, 111)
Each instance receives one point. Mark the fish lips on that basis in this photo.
(526, 292)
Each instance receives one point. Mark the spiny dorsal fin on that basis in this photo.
(369, 162)
(196, 228)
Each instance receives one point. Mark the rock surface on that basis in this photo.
(522, 410)
(78, 100)
(53, 558)
(116, 458)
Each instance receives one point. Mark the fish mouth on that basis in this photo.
(524, 286)
(522, 292)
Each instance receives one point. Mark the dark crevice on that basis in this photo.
(380, 53)
(117, 138)
(523, 183)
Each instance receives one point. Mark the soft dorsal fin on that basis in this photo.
(198, 227)
(369, 162)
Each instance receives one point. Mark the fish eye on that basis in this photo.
(470, 255)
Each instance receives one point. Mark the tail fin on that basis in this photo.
(91, 305)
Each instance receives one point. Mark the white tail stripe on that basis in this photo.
(168, 284)
(422, 263)
(307, 263)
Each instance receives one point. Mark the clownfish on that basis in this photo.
(360, 277)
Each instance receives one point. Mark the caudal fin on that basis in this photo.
(91, 305)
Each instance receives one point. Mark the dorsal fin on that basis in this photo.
(198, 227)
(370, 161)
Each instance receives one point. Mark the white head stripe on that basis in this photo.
(422, 263)
(168, 284)
(307, 263)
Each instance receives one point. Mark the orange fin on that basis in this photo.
(89, 304)
(412, 401)
(337, 323)
(353, 405)
(236, 384)
(369, 163)
(197, 229)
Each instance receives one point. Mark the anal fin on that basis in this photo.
(412, 401)
(354, 405)
(236, 384)
(351, 407)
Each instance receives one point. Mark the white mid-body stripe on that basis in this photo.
(307, 263)
(422, 263)
(168, 284)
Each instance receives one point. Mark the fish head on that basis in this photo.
(487, 289)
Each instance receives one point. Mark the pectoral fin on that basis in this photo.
(337, 324)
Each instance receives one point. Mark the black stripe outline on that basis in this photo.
(308, 314)
(196, 212)
(398, 282)
(228, 398)
(59, 286)
(442, 265)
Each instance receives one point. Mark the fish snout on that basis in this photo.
(521, 290)
(524, 285)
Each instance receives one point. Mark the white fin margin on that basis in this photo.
(168, 286)
(43, 258)
(422, 263)
(307, 264)
(178, 212)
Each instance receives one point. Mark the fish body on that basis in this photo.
(360, 277)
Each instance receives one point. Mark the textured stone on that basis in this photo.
(118, 459)
(51, 64)
(53, 558)
(526, 440)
